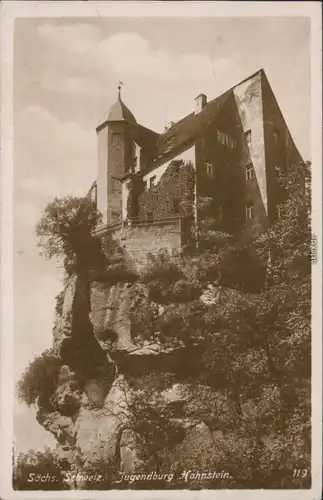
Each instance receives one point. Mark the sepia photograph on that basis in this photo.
(162, 330)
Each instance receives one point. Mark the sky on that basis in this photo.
(66, 73)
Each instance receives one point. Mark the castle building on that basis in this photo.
(235, 144)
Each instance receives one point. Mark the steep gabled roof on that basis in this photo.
(184, 132)
(189, 128)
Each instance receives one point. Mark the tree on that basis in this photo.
(256, 346)
(64, 231)
(250, 370)
(40, 378)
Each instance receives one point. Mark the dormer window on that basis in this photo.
(134, 164)
(247, 135)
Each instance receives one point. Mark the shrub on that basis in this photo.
(178, 292)
(183, 321)
(30, 467)
(40, 378)
(161, 268)
(119, 273)
(143, 320)
(59, 303)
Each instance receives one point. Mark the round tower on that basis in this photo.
(114, 155)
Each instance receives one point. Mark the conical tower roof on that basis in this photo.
(118, 113)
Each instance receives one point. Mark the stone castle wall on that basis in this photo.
(154, 237)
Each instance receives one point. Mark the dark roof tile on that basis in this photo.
(189, 128)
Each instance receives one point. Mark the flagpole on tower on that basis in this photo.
(119, 88)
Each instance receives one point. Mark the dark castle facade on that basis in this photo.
(234, 146)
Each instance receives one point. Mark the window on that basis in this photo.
(247, 135)
(152, 181)
(134, 164)
(279, 212)
(249, 172)
(114, 183)
(232, 143)
(249, 211)
(209, 169)
(116, 139)
(150, 216)
(221, 137)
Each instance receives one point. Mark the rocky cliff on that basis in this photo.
(99, 412)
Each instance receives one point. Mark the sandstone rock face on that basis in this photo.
(110, 307)
(62, 427)
(132, 455)
(67, 397)
(63, 326)
(98, 431)
(92, 407)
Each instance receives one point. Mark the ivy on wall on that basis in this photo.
(174, 193)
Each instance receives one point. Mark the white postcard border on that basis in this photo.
(12, 10)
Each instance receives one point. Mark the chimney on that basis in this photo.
(200, 102)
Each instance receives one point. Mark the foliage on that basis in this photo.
(183, 321)
(39, 380)
(59, 303)
(255, 347)
(252, 349)
(173, 194)
(161, 268)
(143, 318)
(64, 230)
(156, 429)
(38, 471)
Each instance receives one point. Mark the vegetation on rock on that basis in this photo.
(255, 340)
(40, 378)
(65, 230)
(249, 379)
(38, 471)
